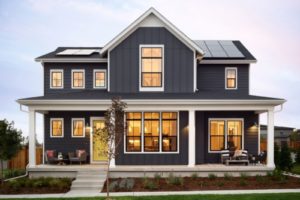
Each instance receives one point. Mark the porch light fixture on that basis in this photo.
(87, 128)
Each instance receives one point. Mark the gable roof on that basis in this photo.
(154, 14)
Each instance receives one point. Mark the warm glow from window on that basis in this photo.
(151, 67)
(217, 133)
(56, 128)
(234, 134)
(78, 79)
(56, 79)
(231, 78)
(78, 128)
(134, 130)
(151, 131)
(100, 79)
(169, 131)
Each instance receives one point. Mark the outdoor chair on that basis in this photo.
(79, 156)
(51, 156)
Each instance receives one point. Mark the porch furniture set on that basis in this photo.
(52, 157)
(231, 156)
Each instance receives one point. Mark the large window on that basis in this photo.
(56, 79)
(100, 78)
(56, 127)
(152, 68)
(225, 134)
(231, 78)
(78, 79)
(134, 131)
(159, 132)
(78, 129)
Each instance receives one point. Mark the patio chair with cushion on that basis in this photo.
(79, 156)
(51, 156)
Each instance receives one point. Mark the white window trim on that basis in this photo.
(73, 119)
(94, 79)
(160, 135)
(151, 89)
(83, 78)
(226, 120)
(62, 127)
(236, 78)
(62, 78)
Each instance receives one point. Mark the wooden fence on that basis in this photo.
(20, 161)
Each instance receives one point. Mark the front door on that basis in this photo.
(98, 147)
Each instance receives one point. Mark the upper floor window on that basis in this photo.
(57, 127)
(100, 78)
(78, 79)
(56, 79)
(151, 68)
(231, 78)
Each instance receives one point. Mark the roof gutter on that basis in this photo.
(72, 60)
(203, 61)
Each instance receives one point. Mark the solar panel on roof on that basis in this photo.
(231, 50)
(203, 46)
(216, 49)
(77, 52)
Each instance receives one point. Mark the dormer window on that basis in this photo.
(151, 68)
(230, 78)
(56, 79)
(78, 80)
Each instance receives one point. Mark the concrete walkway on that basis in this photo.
(85, 194)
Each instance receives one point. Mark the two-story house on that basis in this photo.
(187, 99)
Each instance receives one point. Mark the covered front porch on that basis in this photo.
(190, 107)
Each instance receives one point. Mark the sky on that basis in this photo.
(270, 29)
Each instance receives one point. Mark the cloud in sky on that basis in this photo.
(270, 29)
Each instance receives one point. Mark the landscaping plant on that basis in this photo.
(285, 162)
(298, 156)
(276, 155)
(10, 142)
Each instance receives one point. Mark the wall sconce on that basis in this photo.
(87, 129)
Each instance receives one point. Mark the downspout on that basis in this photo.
(281, 108)
(22, 176)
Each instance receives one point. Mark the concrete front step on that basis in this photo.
(89, 180)
(92, 187)
(93, 177)
(87, 184)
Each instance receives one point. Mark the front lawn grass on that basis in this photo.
(280, 196)
(296, 169)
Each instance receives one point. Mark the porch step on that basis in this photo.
(92, 180)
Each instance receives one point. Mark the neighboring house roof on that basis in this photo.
(277, 128)
(150, 17)
(280, 132)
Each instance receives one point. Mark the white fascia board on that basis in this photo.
(134, 25)
(203, 61)
(72, 60)
(173, 102)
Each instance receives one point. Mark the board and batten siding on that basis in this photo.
(250, 133)
(180, 158)
(67, 70)
(68, 143)
(211, 77)
(178, 61)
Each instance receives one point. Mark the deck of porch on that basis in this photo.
(202, 170)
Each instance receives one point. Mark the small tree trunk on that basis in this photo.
(107, 178)
(2, 174)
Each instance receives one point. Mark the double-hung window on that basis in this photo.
(78, 79)
(225, 134)
(78, 127)
(56, 127)
(56, 79)
(151, 70)
(230, 78)
(99, 78)
(152, 132)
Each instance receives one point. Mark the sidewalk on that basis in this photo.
(85, 194)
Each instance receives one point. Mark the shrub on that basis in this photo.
(298, 156)
(243, 175)
(227, 176)
(174, 180)
(269, 174)
(113, 186)
(285, 162)
(277, 175)
(202, 184)
(243, 182)
(157, 176)
(212, 176)
(126, 184)
(220, 184)
(54, 183)
(276, 155)
(194, 175)
(150, 185)
(15, 184)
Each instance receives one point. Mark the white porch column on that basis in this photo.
(192, 139)
(31, 138)
(270, 139)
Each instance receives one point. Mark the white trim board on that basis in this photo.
(151, 13)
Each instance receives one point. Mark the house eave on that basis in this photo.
(72, 60)
(203, 61)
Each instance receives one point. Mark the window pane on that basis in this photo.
(146, 52)
(78, 126)
(133, 144)
(56, 79)
(147, 80)
(169, 131)
(56, 128)
(156, 80)
(230, 83)
(231, 73)
(217, 135)
(156, 52)
(151, 144)
(156, 65)
(234, 134)
(100, 79)
(146, 65)
(169, 144)
(77, 79)
(134, 130)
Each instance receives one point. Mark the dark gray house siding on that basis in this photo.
(211, 77)
(178, 62)
(67, 143)
(250, 133)
(180, 158)
(67, 68)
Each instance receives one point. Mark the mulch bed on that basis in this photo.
(219, 183)
(4, 189)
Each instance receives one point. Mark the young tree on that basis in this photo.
(112, 133)
(285, 162)
(10, 142)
